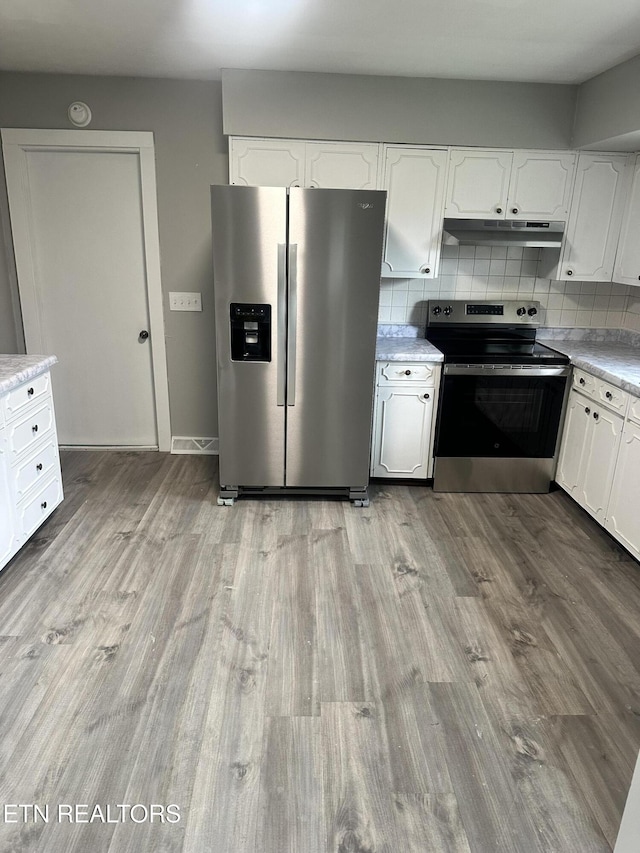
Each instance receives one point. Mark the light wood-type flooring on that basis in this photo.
(435, 672)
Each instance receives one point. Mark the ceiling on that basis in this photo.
(550, 41)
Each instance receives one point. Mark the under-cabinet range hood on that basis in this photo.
(503, 232)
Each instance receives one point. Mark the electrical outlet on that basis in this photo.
(185, 301)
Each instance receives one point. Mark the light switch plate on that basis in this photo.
(185, 301)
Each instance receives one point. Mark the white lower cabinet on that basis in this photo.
(599, 462)
(403, 420)
(7, 520)
(623, 515)
(30, 478)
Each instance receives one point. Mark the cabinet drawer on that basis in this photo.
(28, 431)
(410, 373)
(18, 398)
(634, 409)
(33, 511)
(611, 396)
(39, 467)
(584, 382)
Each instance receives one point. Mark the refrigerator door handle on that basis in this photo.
(282, 325)
(293, 321)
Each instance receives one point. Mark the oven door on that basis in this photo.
(498, 427)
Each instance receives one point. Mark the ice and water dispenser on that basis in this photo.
(250, 331)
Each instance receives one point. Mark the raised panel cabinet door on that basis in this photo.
(478, 184)
(402, 431)
(594, 220)
(601, 452)
(572, 447)
(415, 182)
(627, 266)
(266, 162)
(623, 514)
(341, 165)
(540, 185)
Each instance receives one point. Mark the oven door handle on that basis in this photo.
(515, 371)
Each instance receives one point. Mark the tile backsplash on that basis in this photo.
(498, 272)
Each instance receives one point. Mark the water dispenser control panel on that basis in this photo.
(250, 331)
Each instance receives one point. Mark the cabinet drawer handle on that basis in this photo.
(30, 392)
(407, 373)
(39, 466)
(595, 416)
(43, 505)
(514, 210)
(609, 395)
(587, 410)
(426, 396)
(582, 380)
(34, 428)
(498, 210)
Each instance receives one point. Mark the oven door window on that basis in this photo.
(500, 416)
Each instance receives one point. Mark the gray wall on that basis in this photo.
(191, 154)
(397, 109)
(608, 109)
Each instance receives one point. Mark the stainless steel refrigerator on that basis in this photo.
(296, 282)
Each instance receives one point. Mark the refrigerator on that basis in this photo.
(296, 284)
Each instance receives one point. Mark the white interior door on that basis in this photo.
(87, 263)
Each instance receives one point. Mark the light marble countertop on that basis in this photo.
(406, 349)
(16, 369)
(617, 363)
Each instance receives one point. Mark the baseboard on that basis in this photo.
(190, 444)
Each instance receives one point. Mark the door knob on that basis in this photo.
(143, 335)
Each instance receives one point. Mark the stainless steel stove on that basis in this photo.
(502, 397)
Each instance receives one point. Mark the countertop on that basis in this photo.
(617, 363)
(16, 369)
(406, 349)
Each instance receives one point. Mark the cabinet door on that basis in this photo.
(402, 431)
(623, 514)
(415, 183)
(341, 165)
(627, 267)
(601, 452)
(540, 185)
(478, 184)
(266, 162)
(594, 220)
(572, 447)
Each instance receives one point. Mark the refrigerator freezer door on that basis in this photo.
(249, 237)
(336, 239)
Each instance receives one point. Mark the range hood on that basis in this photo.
(503, 232)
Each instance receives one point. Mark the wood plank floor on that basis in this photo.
(432, 673)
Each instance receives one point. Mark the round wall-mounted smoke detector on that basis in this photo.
(79, 114)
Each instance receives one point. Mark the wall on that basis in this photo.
(608, 110)
(397, 109)
(191, 154)
(498, 272)
(632, 317)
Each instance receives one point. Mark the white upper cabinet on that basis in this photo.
(627, 266)
(415, 180)
(341, 165)
(266, 162)
(509, 184)
(478, 184)
(540, 186)
(593, 226)
(295, 163)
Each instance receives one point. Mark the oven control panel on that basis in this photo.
(461, 312)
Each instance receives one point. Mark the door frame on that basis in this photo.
(15, 143)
